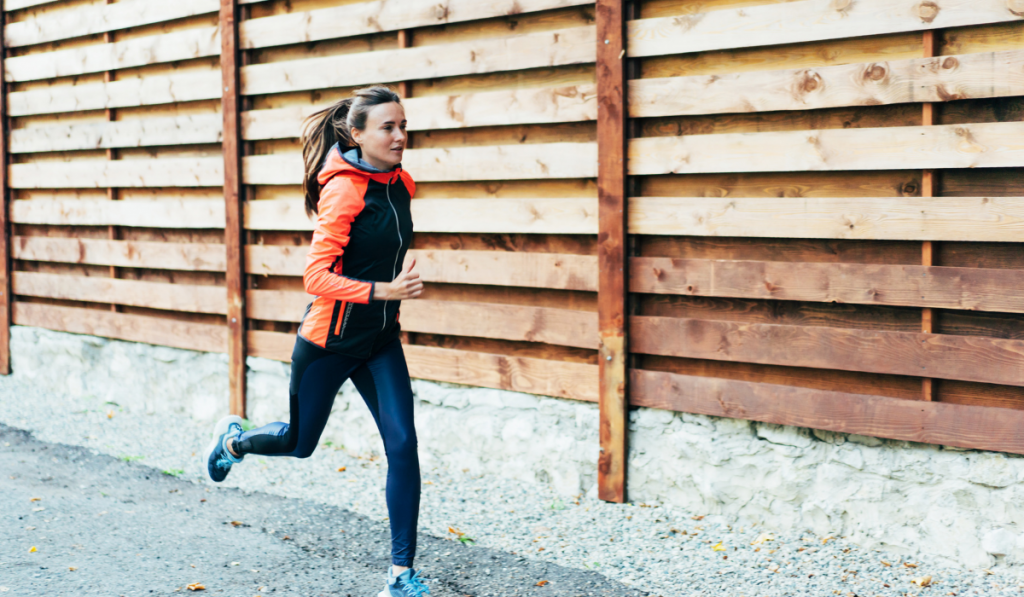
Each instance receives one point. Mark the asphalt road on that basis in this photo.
(101, 526)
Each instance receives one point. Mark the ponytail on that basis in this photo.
(330, 126)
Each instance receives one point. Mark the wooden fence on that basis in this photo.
(804, 212)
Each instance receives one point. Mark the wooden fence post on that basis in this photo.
(233, 225)
(6, 299)
(611, 249)
(929, 178)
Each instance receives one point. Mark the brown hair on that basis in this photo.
(332, 125)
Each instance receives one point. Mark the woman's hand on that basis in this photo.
(407, 285)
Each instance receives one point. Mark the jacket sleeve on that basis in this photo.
(340, 203)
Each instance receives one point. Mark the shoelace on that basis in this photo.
(413, 587)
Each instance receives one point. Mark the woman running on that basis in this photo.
(355, 185)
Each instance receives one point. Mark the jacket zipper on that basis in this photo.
(344, 320)
(394, 267)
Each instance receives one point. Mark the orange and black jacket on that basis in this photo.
(363, 230)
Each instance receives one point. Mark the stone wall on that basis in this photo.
(964, 505)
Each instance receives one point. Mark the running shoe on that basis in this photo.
(406, 584)
(218, 459)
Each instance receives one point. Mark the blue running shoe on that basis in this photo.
(406, 584)
(218, 459)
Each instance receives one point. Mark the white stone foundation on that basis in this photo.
(905, 497)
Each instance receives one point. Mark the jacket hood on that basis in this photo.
(351, 163)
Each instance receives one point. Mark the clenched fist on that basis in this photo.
(407, 285)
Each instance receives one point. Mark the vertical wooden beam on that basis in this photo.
(234, 234)
(929, 180)
(111, 114)
(611, 248)
(5, 222)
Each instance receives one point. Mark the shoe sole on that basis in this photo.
(219, 429)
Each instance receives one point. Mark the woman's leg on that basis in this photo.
(383, 381)
(317, 375)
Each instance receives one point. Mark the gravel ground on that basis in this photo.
(78, 523)
(651, 547)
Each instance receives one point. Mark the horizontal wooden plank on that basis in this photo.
(491, 162)
(516, 52)
(270, 345)
(276, 305)
(563, 327)
(530, 216)
(971, 289)
(123, 326)
(90, 19)
(373, 17)
(197, 257)
(496, 268)
(972, 427)
(981, 145)
(995, 219)
(939, 79)
(149, 132)
(967, 358)
(275, 260)
(147, 173)
(155, 213)
(805, 21)
(552, 216)
(141, 51)
(520, 374)
(191, 298)
(12, 5)
(570, 103)
(145, 91)
(502, 268)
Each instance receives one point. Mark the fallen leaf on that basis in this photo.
(286, 538)
(540, 549)
(987, 571)
(697, 517)
(40, 509)
(35, 499)
(235, 563)
(763, 538)
(341, 469)
(32, 549)
(909, 565)
(196, 587)
(541, 583)
(826, 539)
(72, 568)
(886, 564)
(236, 523)
(717, 547)
(922, 582)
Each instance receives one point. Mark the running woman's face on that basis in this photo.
(383, 139)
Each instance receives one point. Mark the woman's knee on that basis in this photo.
(403, 446)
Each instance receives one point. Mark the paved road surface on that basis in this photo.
(106, 527)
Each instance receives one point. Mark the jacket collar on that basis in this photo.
(351, 163)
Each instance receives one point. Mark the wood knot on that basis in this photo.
(658, 273)
(875, 72)
(841, 5)
(811, 81)
(927, 11)
(951, 62)
(1016, 7)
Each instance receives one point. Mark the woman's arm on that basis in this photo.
(340, 203)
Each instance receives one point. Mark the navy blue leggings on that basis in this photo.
(383, 381)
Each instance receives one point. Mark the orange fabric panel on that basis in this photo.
(409, 183)
(341, 200)
(318, 322)
(341, 317)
